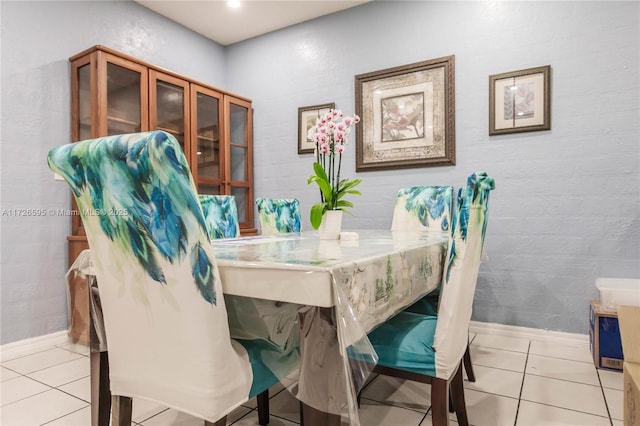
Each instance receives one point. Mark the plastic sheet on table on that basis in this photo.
(330, 345)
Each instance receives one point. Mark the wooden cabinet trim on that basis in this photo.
(153, 67)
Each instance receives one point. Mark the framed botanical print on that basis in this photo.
(307, 117)
(520, 101)
(407, 116)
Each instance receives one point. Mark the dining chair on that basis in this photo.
(278, 215)
(164, 315)
(220, 215)
(428, 348)
(427, 208)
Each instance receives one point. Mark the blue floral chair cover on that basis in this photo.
(433, 346)
(423, 207)
(278, 215)
(220, 216)
(165, 317)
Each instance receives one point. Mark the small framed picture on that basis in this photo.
(520, 101)
(307, 117)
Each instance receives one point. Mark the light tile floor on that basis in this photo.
(519, 382)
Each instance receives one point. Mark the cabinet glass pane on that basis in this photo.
(238, 163)
(84, 102)
(241, 195)
(170, 110)
(123, 100)
(208, 140)
(209, 189)
(238, 134)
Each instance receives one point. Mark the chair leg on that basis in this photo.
(301, 413)
(263, 408)
(121, 410)
(468, 367)
(104, 398)
(439, 402)
(457, 392)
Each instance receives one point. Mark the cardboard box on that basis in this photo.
(604, 338)
(630, 330)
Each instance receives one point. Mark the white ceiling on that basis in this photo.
(215, 20)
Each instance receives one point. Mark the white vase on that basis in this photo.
(331, 225)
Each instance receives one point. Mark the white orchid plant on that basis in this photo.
(331, 135)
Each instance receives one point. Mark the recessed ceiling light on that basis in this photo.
(233, 4)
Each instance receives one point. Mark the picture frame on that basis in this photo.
(520, 101)
(307, 117)
(407, 116)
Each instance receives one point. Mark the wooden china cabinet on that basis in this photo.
(113, 93)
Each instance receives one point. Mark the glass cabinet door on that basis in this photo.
(109, 96)
(207, 164)
(81, 100)
(124, 103)
(109, 105)
(169, 107)
(240, 171)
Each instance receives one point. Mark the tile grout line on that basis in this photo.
(148, 418)
(45, 368)
(498, 368)
(604, 396)
(22, 399)
(39, 351)
(563, 359)
(567, 409)
(395, 405)
(524, 375)
(565, 380)
(64, 415)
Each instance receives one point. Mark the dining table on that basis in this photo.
(319, 299)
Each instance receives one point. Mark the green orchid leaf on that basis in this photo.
(346, 184)
(345, 203)
(319, 171)
(317, 211)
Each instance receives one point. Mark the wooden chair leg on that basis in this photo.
(439, 402)
(104, 398)
(468, 367)
(263, 408)
(121, 410)
(457, 392)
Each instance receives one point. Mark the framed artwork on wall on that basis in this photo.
(520, 101)
(307, 117)
(407, 116)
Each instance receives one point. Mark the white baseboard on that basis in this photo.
(528, 333)
(35, 344)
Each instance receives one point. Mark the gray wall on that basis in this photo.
(566, 207)
(37, 40)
